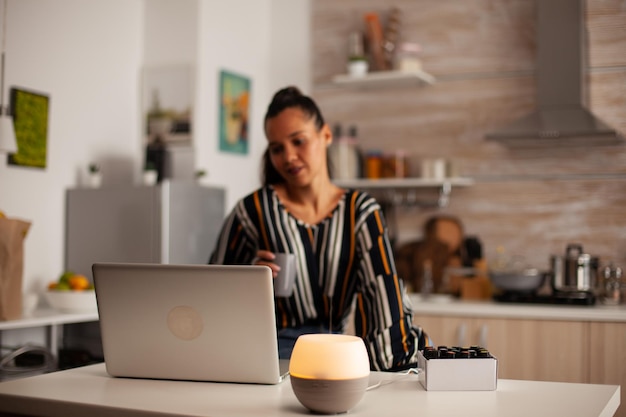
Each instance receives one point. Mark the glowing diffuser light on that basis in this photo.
(329, 373)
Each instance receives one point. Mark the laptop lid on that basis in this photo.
(188, 322)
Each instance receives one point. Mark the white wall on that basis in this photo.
(88, 55)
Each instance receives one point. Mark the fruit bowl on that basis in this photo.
(68, 301)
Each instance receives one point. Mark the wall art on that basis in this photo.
(30, 117)
(234, 112)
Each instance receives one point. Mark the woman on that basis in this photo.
(339, 237)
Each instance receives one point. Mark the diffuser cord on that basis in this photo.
(410, 371)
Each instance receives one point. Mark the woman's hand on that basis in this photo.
(265, 257)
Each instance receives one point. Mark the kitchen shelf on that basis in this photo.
(404, 191)
(385, 79)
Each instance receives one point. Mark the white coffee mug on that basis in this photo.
(284, 281)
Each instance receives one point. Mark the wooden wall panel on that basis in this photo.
(606, 27)
(532, 201)
(535, 219)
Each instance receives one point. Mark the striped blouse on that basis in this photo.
(343, 259)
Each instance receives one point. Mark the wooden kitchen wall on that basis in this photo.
(531, 201)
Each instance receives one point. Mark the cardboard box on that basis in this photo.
(475, 374)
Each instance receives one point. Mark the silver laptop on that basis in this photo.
(188, 322)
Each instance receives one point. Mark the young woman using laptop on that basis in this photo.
(339, 237)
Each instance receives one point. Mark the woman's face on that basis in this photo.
(296, 148)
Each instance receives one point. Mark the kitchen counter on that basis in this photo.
(445, 306)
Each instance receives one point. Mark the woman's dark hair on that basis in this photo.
(288, 97)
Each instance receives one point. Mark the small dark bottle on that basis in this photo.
(431, 353)
(483, 353)
(464, 354)
(449, 354)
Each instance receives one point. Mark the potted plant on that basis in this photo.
(160, 121)
(358, 64)
(94, 177)
(150, 174)
(199, 174)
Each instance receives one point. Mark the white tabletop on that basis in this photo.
(48, 317)
(91, 391)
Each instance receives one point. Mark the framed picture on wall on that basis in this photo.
(30, 117)
(234, 112)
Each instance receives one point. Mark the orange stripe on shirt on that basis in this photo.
(401, 308)
(352, 215)
(236, 238)
(381, 246)
(363, 317)
(257, 204)
(383, 254)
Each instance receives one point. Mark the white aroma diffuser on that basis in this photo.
(329, 373)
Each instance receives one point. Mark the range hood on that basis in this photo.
(560, 116)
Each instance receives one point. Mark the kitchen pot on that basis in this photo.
(576, 271)
(524, 281)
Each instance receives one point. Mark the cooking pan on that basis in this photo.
(527, 280)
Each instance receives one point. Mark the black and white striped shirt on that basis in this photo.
(345, 258)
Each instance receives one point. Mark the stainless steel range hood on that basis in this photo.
(560, 117)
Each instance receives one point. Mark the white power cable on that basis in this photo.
(415, 371)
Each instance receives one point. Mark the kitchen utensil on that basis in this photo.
(576, 271)
(527, 280)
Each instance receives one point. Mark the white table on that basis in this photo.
(90, 391)
(51, 320)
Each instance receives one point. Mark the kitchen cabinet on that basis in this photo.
(540, 350)
(409, 191)
(535, 342)
(607, 351)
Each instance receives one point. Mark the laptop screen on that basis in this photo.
(188, 322)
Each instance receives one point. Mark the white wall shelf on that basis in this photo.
(381, 79)
(404, 191)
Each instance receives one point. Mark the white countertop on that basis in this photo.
(48, 317)
(446, 306)
(91, 391)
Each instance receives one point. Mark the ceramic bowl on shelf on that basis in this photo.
(72, 301)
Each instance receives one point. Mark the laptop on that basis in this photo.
(188, 322)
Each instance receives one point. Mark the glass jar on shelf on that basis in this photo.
(408, 57)
(395, 165)
(373, 164)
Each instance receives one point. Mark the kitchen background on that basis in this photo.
(532, 201)
(89, 57)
